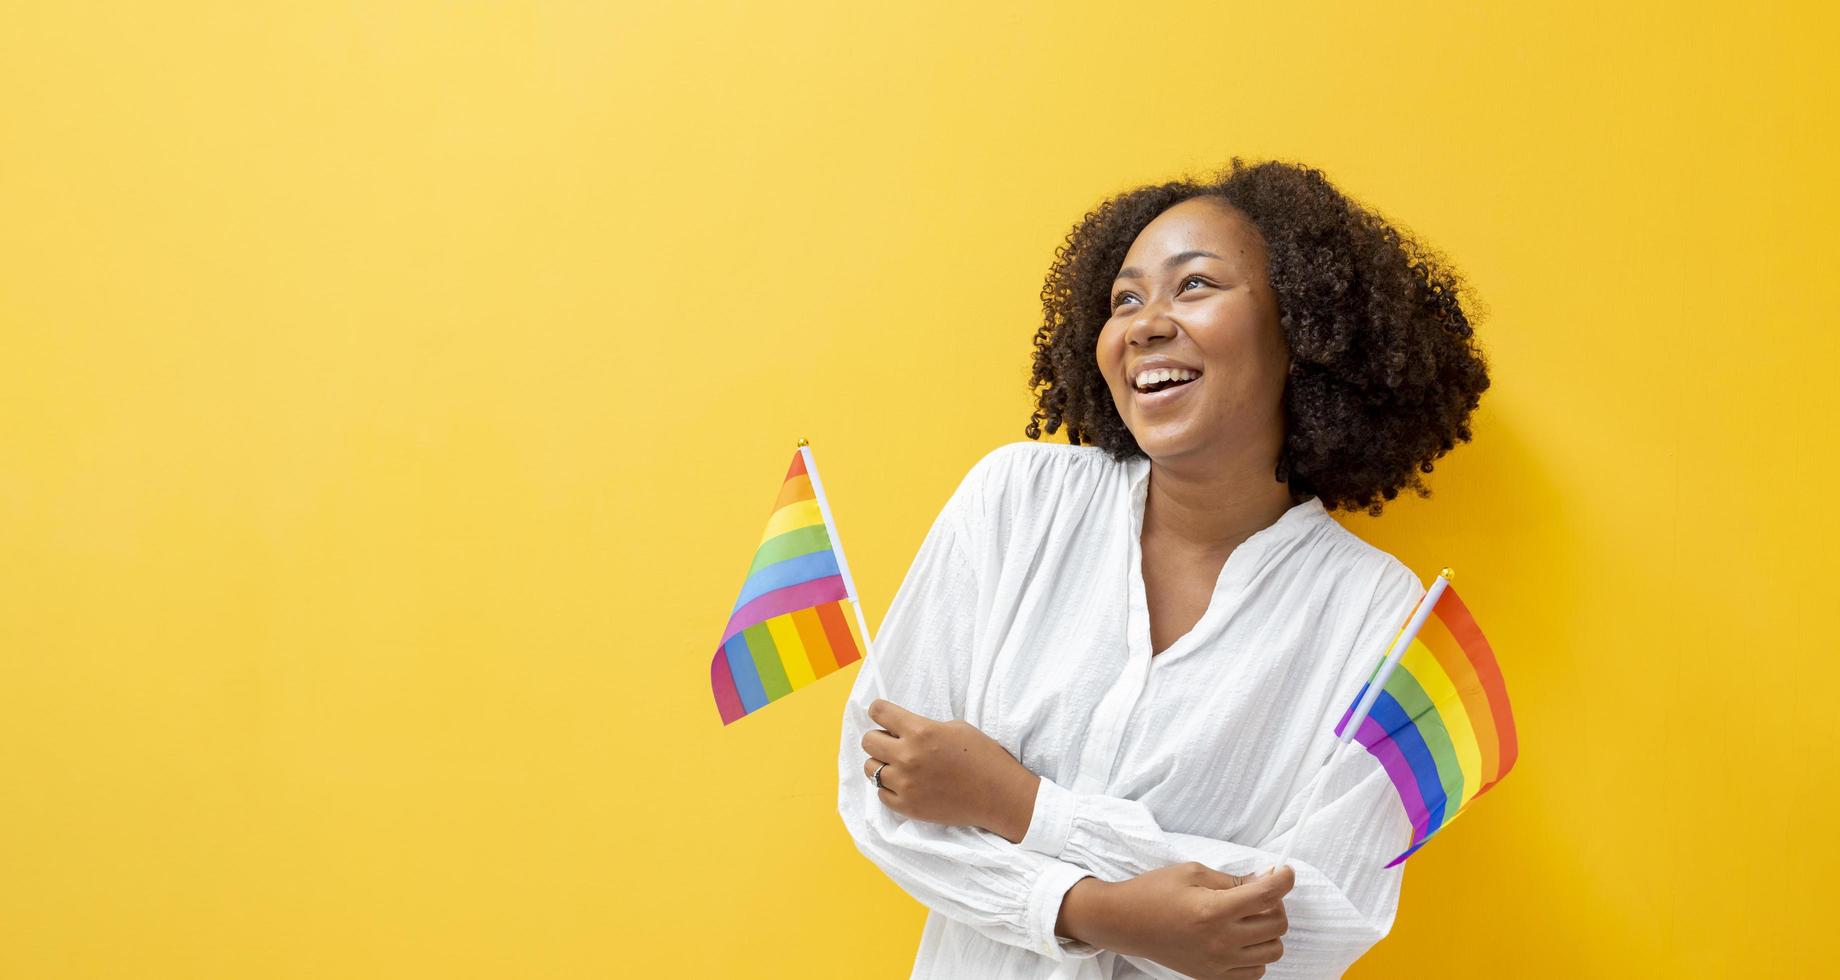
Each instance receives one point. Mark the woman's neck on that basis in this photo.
(1211, 511)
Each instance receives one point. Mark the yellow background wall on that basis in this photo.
(391, 396)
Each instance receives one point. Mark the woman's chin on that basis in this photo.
(1159, 441)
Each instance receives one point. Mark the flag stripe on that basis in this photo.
(781, 601)
(792, 571)
(747, 679)
(796, 488)
(1393, 760)
(1428, 668)
(1422, 714)
(791, 647)
(791, 517)
(1456, 682)
(791, 544)
(853, 626)
(1394, 726)
(1463, 627)
(722, 680)
(843, 637)
(766, 660)
(817, 645)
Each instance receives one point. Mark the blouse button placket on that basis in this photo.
(1100, 752)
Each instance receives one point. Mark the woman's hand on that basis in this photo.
(1189, 917)
(948, 772)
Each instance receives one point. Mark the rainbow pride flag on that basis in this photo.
(797, 618)
(1440, 724)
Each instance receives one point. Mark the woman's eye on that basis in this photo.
(1121, 296)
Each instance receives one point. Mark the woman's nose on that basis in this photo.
(1150, 324)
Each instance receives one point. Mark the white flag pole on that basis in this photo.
(1366, 704)
(849, 584)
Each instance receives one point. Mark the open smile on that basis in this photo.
(1164, 396)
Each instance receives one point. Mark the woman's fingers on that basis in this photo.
(1266, 952)
(879, 744)
(893, 717)
(1266, 923)
(869, 769)
(1263, 892)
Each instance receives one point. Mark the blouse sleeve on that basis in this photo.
(1344, 900)
(923, 651)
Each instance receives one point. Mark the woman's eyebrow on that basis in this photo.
(1169, 263)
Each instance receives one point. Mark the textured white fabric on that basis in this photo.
(1024, 614)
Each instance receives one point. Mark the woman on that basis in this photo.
(1114, 666)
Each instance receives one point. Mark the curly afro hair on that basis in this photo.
(1384, 369)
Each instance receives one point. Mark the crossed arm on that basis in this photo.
(927, 829)
(951, 773)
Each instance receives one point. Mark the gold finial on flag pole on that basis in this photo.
(1447, 574)
(802, 442)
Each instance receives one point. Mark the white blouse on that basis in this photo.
(1024, 614)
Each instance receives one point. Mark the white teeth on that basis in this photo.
(1155, 375)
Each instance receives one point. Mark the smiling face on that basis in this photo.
(1193, 292)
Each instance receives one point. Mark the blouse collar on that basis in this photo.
(1294, 524)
